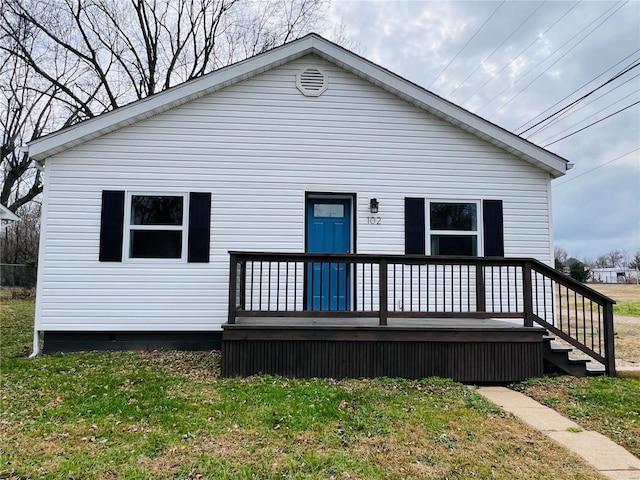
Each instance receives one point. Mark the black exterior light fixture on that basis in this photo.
(373, 205)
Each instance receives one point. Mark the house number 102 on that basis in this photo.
(374, 220)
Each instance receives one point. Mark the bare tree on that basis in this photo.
(560, 256)
(615, 258)
(25, 109)
(19, 240)
(65, 61)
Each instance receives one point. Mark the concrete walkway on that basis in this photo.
(609, 458)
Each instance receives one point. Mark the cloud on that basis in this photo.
(593, 213)
(611, 196)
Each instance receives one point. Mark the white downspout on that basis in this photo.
(40, 165)
(36, 343)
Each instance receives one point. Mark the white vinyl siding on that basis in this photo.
(258, 146)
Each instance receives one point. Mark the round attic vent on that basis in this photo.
(312, 82)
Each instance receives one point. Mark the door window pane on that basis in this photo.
(453, 216)
(321, 210)
(156, 210)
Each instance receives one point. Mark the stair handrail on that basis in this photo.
(608, 359)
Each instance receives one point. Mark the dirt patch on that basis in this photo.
(194, 365)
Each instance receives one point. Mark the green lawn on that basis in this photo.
(628, 308)
(170, 415)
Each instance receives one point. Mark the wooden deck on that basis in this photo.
(467, 350)
(473, 319)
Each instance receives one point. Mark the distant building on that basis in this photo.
(7, 216)
(613, 275)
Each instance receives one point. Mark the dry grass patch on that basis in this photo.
(627, 331)
(610, 406)
(626, 321)
(620, 292)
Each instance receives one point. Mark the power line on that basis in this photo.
(597, 167)
(564, 117)
(466, 44)
(592, 124)
(584, 128)
(586, 119)
(561, 57)
(635, 64)
(520, 54)
(548, 57)
(575, 91)
(498, 47)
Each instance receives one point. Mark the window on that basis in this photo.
(453, 228)
(152, 225)
(156, 226)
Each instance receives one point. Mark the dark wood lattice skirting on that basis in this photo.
(480, 356)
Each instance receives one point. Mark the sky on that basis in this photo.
(516, 62)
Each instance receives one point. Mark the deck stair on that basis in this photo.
(559, 359)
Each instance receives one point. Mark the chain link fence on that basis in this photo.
(15, 275)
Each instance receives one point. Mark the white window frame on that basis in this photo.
(477, 232)
(129, 226)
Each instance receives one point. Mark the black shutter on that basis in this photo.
(493, 228)
(111, 226)
(414, 226)
(199, 227)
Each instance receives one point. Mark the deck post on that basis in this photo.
(233, 288)
(480, 290)
(527, 294)
(382, 291)
(609, 340)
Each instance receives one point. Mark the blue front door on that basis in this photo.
(328, 231)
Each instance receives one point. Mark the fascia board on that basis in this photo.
(61, 140)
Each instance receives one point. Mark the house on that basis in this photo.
(613, 275)
(7, 216)
(307, 149)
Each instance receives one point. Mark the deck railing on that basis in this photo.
(388, 286)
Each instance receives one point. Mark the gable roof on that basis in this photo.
(56, 142)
